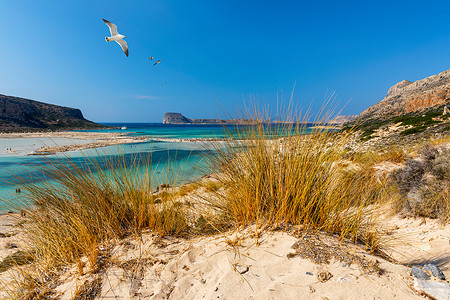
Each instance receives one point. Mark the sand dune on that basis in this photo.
(236, 265)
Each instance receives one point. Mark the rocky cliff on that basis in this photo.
(19, 114)
(408, 97)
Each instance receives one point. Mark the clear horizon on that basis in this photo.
(216, 54)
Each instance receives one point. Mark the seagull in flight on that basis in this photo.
(157, 62)
(115, 36)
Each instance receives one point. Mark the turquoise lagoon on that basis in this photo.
(170, 161)
(178, 162)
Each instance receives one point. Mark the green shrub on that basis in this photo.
(413, 130)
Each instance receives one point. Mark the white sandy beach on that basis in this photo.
(54, 142)
(42, 143)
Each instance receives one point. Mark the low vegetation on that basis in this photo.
(416, 121)
(424, 184)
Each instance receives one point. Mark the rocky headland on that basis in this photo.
(408, 97)
(410, 112)
(25, 115)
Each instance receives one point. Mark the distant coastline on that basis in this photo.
(174, 118)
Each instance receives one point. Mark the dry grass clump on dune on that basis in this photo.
(86, 205)
(275, 176)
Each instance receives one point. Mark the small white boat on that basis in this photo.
(123, 127)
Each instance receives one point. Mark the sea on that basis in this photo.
(174, 160)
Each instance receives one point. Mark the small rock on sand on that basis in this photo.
(435, 271)
(419, 273)
(434, 289)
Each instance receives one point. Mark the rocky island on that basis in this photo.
(178, 118)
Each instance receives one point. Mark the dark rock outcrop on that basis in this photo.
(19, 114)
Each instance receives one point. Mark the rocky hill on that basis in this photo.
(19, 114)
(410, 97)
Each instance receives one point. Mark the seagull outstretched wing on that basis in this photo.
(124, 46)
(112, 28)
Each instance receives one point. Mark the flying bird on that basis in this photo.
(115, 36)
(157, 62)
(151, 57)
(162, 84)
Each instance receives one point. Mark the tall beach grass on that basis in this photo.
(275, 176)
(84, 205)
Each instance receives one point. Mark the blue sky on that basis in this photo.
(214, 52)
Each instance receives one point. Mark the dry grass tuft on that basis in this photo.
(275, 175)
(84, 206)
(18, 258)
(90, 289)
(370, 158)
(31, 283)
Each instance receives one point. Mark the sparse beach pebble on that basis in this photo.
(435, 271)
(419, 273)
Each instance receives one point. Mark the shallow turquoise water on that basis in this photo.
(168, 159)
(170, 130)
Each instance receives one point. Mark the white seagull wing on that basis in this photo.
(124, 46)
(112, 27)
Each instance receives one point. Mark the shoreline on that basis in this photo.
(64, 134)
(90, 140)
(94, 140)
